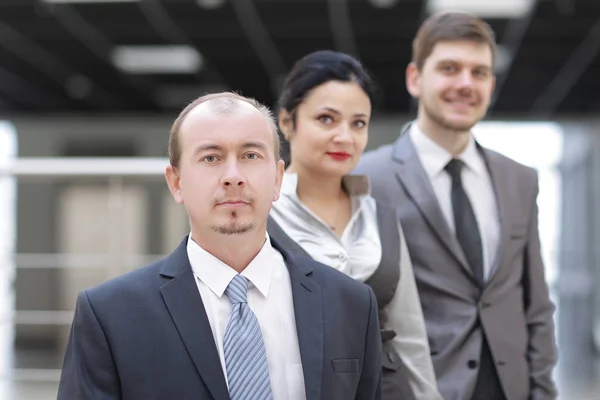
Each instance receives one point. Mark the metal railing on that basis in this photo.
(114, 172)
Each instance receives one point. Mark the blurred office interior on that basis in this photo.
(89, 89)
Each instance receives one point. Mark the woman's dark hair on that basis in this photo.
(316, 69)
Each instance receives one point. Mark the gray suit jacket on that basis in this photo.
(514, 308)
(146, 335)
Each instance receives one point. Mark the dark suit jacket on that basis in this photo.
(145, 335)
(513, 309)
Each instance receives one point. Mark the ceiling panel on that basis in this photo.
(57, 58)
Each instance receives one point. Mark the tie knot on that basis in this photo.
(454, 167)
(237, 288)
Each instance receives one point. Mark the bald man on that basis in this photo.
(229, 314)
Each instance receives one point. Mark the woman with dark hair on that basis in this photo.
(327, 214)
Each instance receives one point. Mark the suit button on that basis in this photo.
(390, 357)
(472, 364)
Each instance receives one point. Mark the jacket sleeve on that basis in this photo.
(88, 370)
(369, 387)
(539, 313)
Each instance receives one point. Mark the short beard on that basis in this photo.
(234, 228)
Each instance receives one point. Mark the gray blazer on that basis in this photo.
(514, 308)
(146, 335)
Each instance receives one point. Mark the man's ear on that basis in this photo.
(278, 179)
(413, 80)
(174, 183)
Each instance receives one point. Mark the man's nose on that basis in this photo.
(466, 79)
(232, 175)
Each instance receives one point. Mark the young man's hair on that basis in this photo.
(450, 26)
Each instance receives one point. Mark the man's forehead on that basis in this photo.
(231, 145)
(462, 51)
(203, 118)
(227, 133)
(212, 110)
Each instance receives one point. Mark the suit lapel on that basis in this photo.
(185, 305)
(308, 310)
(412, 176)
(500, 183)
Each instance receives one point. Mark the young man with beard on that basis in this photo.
(229, 314)
(470, 219)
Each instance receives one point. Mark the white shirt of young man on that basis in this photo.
(476, 182)
(269, 297)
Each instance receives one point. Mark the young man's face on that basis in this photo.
(455, 85)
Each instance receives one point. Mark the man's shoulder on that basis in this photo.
(509, 165)
(376, 157)
(330, 278)
(132, 282)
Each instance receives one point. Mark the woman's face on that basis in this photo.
(331, 129)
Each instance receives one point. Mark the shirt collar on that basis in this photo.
(217, 275)
(355, 185)
(434, 157)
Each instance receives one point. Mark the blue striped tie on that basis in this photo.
(245, 357)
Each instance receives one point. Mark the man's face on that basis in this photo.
(228, 176)
(455, 84)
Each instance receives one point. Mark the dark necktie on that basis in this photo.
(467, 231)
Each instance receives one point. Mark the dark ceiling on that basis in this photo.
(57, 57)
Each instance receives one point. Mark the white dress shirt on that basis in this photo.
(269, 297)
(358, 254)
(476, 182)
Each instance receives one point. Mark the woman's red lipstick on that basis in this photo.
(340, 155)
